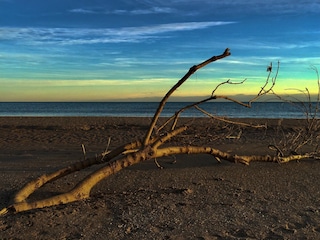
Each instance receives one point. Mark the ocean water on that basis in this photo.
(147, 109)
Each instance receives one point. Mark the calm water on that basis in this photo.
(147, 109)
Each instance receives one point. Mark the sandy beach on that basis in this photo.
(192, 197)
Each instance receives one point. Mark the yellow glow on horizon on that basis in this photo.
(113, 90)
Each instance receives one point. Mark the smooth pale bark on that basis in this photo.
(35, 184)
(82, 189)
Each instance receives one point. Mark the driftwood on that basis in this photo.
(150, 147)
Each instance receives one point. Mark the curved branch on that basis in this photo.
(35, 184)
(226, 82)
(229, 121)
(82, 189)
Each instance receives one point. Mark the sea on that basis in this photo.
(147, 109)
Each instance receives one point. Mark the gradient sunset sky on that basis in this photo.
(97, 50)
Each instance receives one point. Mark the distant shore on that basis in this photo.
(193, 197)
(147, 109)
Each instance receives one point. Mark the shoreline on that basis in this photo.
(194, 198)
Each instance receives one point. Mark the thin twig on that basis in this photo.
(227, 120)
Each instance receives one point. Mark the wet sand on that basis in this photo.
(193, 197)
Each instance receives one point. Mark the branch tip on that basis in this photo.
(227, 52)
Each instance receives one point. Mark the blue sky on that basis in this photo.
(97, 50)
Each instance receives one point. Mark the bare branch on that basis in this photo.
(226, 82)
(191, 71)
(229, 121)
(263, 90)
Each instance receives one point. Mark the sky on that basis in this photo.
(136, 50)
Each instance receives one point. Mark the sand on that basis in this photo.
(193, 197)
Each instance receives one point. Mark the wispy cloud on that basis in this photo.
(153, 10)
(253, 6)
(81, 10)
(69, 36)
(137, 11)
(273, 43)
(84, 83)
